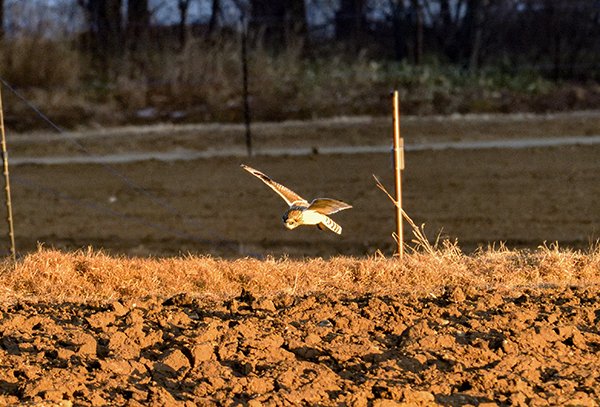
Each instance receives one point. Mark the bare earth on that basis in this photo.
(522, 197)
(531, 346)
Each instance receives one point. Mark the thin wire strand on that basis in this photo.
(126, 180)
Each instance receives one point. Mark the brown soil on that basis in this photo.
(466, 347)
(522, 197)
(534, 345)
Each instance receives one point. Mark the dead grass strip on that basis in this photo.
(88, 275)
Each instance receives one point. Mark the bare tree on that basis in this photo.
(1, 19)
(581, 32)
(278, 20)
(183, 6)
(566, 29)
(138, 23)
(350, 22)
(445, 15)
(296, 23)
(446, 26)
(104, 26)
(215, 12)
(474, 19)
(418, 43)
(397, 19)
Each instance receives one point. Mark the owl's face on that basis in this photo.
(292, 219)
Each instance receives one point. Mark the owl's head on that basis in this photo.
(292, 219)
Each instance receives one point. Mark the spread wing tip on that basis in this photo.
(254, 172)
(287, 194)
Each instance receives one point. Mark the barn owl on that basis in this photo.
(300, 211)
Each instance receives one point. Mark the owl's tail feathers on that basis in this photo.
(331, 225)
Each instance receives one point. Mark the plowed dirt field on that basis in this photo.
(466, 347)
(531, 345)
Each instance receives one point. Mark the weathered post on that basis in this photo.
(11, 230)
(398, 167)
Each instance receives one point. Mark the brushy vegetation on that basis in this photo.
(202, 82)
(89, 275)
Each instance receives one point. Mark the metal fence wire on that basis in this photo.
(125, 180)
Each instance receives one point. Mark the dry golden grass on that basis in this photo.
(52, 275)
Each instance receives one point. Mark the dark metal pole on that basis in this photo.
(11, 230)
(245, 93)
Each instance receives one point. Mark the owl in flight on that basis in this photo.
(301, 212)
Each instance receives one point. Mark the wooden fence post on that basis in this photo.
(398, 167)
(11, 230)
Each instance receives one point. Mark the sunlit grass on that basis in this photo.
(88, 275)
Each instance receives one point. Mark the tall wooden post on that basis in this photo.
(11, 230)
(398, 167)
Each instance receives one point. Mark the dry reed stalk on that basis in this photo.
(420, 239)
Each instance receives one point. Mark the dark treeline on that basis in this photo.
(146, 59)
(561, 38)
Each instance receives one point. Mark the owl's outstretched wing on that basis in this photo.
(289, 196)
(327, 206)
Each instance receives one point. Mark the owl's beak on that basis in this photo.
(290, 225)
